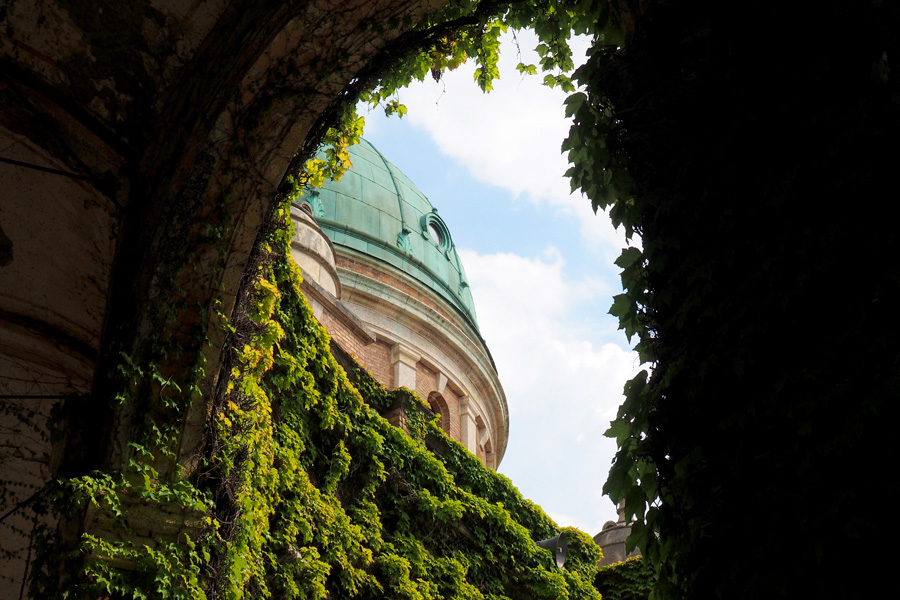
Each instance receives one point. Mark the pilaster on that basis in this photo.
(404, 360)
(468, 426)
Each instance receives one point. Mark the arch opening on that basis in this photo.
(439, 407)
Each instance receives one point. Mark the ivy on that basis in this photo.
(333, 501)
(751, 153)
(462, 30)
(307, 492)
(631, 579)
(751, 408)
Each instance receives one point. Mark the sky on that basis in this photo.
(540, 267)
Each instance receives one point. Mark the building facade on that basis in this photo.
(383, 277)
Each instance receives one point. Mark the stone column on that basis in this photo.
(468, 427)
(404, 360)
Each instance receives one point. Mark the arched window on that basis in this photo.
(439, 407)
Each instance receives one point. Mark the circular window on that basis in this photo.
(435, 230)
(437, 236)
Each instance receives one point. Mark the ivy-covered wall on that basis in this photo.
(631, 579)
(306, 491)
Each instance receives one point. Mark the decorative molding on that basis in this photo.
(400, 352)
(382, 307)
(315, 203)
(404, 243)
(404, 360)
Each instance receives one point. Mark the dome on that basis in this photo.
(376, 210)
(382, 275)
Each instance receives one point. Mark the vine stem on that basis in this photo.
(21, 504)
(28, 556)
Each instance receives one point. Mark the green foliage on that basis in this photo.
(333, 501)
(164, 570)
(367, 511)
(308, 492)
(115, 556)
(771, 368)
(336, 161)
(631, 579)
(679, 134)
(731, 157)
(144, 533)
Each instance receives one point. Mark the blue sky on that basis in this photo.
(540, 265)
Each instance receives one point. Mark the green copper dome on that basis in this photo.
(376, 210)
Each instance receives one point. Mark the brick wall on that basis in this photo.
(426, 381)
(343, 335)
(377, 359)
(452, 401)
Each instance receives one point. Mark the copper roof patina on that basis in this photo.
(376, 210)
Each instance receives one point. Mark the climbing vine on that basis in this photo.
(735, 143)
(461, 31)
(752, 412)
(631, 579)
(330, 500)
(676, 132)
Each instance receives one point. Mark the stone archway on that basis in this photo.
(142, 150)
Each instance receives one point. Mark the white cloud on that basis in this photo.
(510, 137)
(563, 374)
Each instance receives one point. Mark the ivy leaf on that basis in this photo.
(573, 104)
(619, 429)
(628, 257)
(621, 306)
